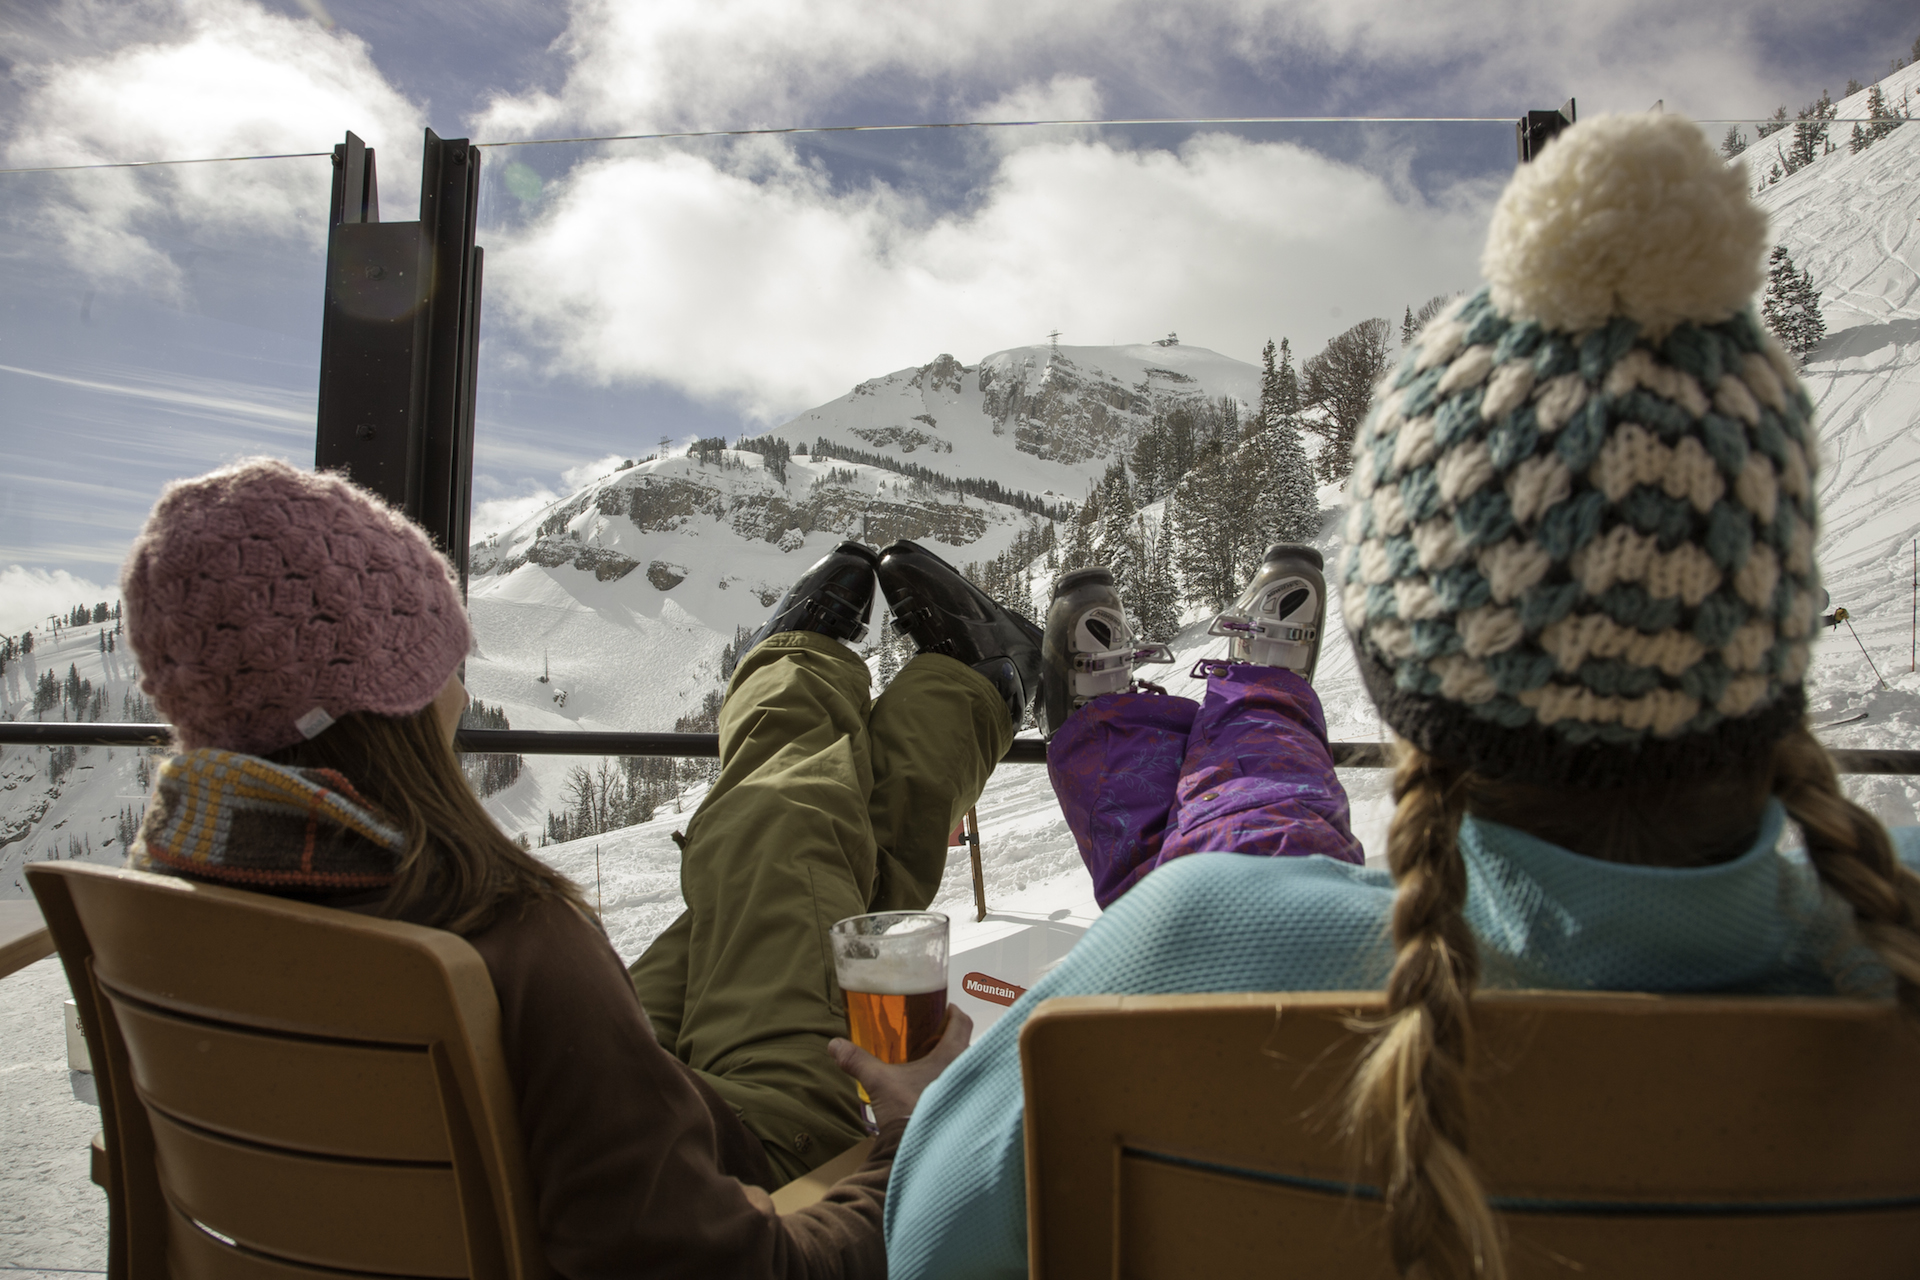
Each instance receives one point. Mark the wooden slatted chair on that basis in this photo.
(1619, 1136)
(289, 1090)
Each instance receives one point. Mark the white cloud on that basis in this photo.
(208, 398)
(204, 78)
(767, 288)
(1065, 97)
(727, 63)
(27, 596)
(576, 476)
(497, 515)
(498, 507)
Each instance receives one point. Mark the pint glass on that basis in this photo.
(893, 969)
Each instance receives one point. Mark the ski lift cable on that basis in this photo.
(774, 131)
(1029, 124)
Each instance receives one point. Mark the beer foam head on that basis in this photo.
(910, 975)
(894, 953)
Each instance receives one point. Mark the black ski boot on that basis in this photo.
(833, 598)
(941, 612)
(1089, 647)
(1278, 619)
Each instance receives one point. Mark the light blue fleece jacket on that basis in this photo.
(1544, 918)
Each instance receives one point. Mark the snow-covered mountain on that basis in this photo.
(1033, 418)
(624, 593)
(627, 590)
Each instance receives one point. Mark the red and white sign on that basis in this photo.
(983, 987)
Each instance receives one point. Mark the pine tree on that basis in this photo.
(1792, 306)
(1406, 330)
(1156, 602)
(1207, 532)
(1810, 133)
(1734, 143)
(1114, 542)
(1284, 506)
(1078, 553)
(1773, 125)
(1885, 118)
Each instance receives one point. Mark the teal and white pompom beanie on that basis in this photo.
(1581, 517)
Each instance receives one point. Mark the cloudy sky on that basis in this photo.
(157, 322)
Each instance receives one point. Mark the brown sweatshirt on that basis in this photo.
(638, 1168)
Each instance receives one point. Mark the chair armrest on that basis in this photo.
(811, 1187)
(24, 936)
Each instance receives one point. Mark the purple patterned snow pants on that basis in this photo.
(1145, 778)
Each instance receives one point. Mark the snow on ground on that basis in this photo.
(1853, 221)
(39, 820)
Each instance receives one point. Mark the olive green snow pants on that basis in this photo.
(827, 806)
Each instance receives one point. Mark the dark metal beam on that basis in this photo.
(1536, 129)
(544, 742)
(449, 206)
(398, 336)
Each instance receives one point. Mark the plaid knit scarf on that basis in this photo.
(241, 820)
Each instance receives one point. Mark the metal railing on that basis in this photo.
(543, 742)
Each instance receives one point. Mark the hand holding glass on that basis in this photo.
(893, 969)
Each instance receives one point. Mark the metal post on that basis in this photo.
(979, 876)
(449, 204)
(398, 339)
(1536, 129)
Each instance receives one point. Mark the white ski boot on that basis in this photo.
(1278, 619)
(1089, 647)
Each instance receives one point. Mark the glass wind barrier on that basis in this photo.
(154, 324)
(705, 362)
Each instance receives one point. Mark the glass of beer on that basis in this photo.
(893, 968)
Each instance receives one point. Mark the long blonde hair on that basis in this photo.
(1408, 1103)
(459, 869)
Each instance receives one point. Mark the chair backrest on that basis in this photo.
(289, 1090)
(1618, 1135)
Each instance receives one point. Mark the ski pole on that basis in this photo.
(1863, 652)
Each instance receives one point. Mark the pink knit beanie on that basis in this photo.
(265, 602)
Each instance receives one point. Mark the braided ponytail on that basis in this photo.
(1854, 857)
(1409, 1094)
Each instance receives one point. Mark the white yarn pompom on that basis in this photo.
(1630, 215)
